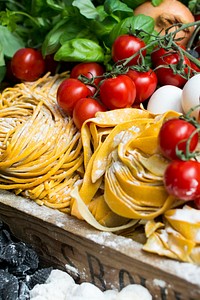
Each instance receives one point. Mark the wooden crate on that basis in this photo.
(104, 259)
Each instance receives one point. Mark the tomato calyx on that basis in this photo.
(90, 81)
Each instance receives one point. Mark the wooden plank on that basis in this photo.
(105, 259)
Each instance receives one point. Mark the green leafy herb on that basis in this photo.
(80, 50)
(71, 30)
(111, 6)
(86, 8)
(133, 24)
(133, 4)
(156, 2)
(9, 42)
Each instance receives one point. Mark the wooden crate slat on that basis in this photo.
(105, 259)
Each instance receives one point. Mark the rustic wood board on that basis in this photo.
(105, 259)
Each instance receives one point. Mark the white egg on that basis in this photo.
(191, 95)
(165, 98)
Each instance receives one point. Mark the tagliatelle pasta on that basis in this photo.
(40, 150)
(177, 236)
(109, 174)
(125, 166)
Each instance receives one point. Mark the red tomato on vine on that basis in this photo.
(84, 109)
(69, 92)
(127, 45)
(174, 133)
(182, 179)
(145, 83)
(89, 70)
(118, 92)
(166, 74)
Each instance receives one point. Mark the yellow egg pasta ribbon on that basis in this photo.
(178, 237)
(123, 169)
(105, 172)
(41, 150)
(100, 135)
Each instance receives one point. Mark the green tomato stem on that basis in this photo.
(167, 41)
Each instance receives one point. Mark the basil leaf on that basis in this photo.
(156, 2)
(56, 6)
(2, 64)
(145, 23)
(2, 60)
(80, 50)
(133, 4)
(112, 6)
(10, 42)
(52, 40)
(194, 6)
(133, 24)
(75, 30)
(86, 8)
(103, 29)
(101, 12)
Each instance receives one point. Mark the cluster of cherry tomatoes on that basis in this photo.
(127, 86)
(178, 140)
(91, 89)
(107, 91)
(124, 87)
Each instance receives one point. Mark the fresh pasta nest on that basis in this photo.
(110, 173)
(40, 150)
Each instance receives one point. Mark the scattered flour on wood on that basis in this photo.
(72, 270)
(159, 282)
(110, 240)
(187, 271)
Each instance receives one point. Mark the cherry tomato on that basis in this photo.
(69, 92)
(118, 92)
(27, 64)
(175, 132)
(194, 67)
(125, 46)
(84, 109)
(182, 179)
(166, 75)
(88, 69)
(145, 83)
(156, 54)
(159, 52)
